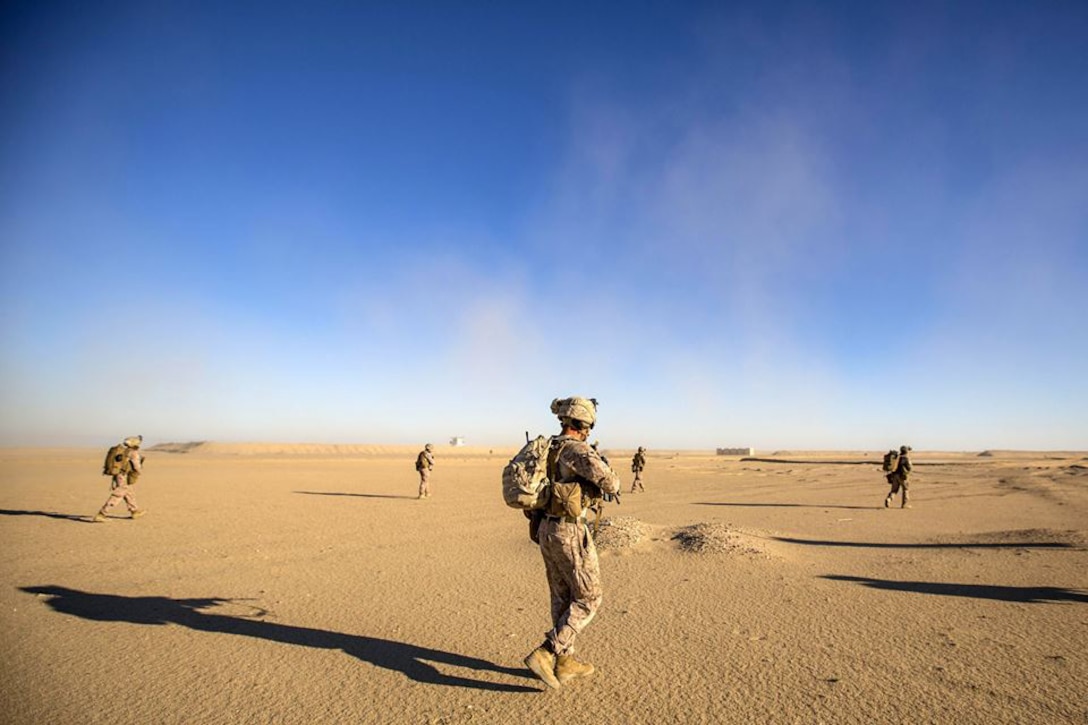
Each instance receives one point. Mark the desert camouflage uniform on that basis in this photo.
(570, 557)
(424, 464)
(120, 484)
(898, 479)
(638, 462)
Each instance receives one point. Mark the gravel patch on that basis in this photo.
(620, 532)
(716, 538)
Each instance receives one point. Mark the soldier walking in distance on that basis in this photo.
(898, 477)
(580, 478)
(424, 464)
(124, 465)
(638, 462)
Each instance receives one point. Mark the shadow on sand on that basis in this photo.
(49, 515)
(788, 505)
(949, 545)
(412, 661)
(358, 495)
(1023, 595)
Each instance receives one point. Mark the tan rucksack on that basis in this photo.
(116, 461)
(525, 483)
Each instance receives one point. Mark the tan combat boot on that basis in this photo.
(99, 517)
(542, 662)
(137, 513)
(567, 668)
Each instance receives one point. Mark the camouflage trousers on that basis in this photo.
(574, 580)
(424, 482)
(898, 482)
(120, 491)
(637, 483)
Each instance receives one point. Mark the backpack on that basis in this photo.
(525, 483)
(891, 461)
(116, 461)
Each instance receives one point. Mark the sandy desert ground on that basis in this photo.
(306, 584)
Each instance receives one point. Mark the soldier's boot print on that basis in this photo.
(567, 668)
(542, 662)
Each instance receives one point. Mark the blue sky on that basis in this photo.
(784, 225)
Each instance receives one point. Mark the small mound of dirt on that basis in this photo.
(986, 454)
(620, 532)
(715, 538)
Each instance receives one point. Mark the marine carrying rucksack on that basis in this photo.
(525, 483)
(891, 461)
(116, 460)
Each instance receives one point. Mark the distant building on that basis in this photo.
(457, 441)
(736, 451)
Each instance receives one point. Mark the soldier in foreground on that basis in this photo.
(638, 462)
(124, 466)
(424, 464)
(580, 477)
(898, 477)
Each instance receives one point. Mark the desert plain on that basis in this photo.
(307, 584)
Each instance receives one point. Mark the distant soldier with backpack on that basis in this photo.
(899, 468)
(425, 464)
(638, 462)
(580, 478)
(123, 465)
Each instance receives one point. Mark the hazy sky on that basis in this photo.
(824, 225)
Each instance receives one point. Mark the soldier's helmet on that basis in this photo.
(428, 448)
(641, 449)
(904, 449)
(133, 441)
(575, 408)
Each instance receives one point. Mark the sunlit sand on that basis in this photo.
(305, 583)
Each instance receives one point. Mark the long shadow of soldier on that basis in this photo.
(1024, 595)
(48, 515)
(787, 505)
(412, 661)
(356, 495)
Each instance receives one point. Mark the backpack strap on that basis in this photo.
(553, 459)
